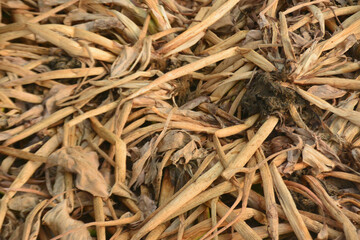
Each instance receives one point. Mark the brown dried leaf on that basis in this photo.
(124, 61)
(85, 164)
(326, 92)
(146, 205)
(319, 162)
(24, 202)
(57, 93)
(174, 139)
(122, 190)
(189, 152)
(59, 221)
(226, 21)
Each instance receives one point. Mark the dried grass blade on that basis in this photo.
(352, 116)
(342, 83)
(345, 68)
(289, 206)
(157, 15)
(132, 30)
(354, 28)
(250, 148)
(297, 7)
(22, 95)
(201, 27)
(258, 201)
(86, 35)
(53, 118)
(8, 36)
(52, 11)
(70, 46)
(26, 172)
(319, 16)
(182, 71)
(99, 217)
(342, 175)
(328, 14)
(227, 43)
(236, 129)
(350, 20)
(241, 227)
(331, 205)
(56, 74)
(120, 149)
(180, 200)
(28, 225)
(14, 68)
(268, 187)
(288, 49)
(186, 45)
(257, 59)
(22, 154)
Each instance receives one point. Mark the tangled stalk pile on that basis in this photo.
(165, 119)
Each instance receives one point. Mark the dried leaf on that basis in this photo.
(316, 160)
(174, 139)
(24, 202)
(85, 164)
(59, 221)
(326, 92)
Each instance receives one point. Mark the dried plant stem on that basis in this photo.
(201, 27)
(52, 11)
(241, 227)
(70, 46)
(314, 226)
(352, 116)
(99, 217)
(186, 195)
(182, 71)
(268, 187)
(236, 129)
(22, 154)
(331, 206)
(297, 7)
(328, 14)
(251, 147)
(288, 205)
(53, 118)
(342, 175)
(25, 174)
(57, 74)
(120, 149)
(342, 83)
(117, 222)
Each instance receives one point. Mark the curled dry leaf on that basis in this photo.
(24, 202)
(59, 221)
(85, 164)
(57, 93)
(189, 152)
(326, 92)
(317, 160)
(174, 139)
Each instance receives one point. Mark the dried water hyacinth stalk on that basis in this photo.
(159, 119)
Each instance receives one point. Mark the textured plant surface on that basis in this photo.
(174, 119)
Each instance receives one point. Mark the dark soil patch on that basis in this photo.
(266, 96)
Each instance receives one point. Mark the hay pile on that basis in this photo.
(224, 119)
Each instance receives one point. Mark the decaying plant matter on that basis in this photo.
(174, 119)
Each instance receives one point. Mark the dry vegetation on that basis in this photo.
(174, 119)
